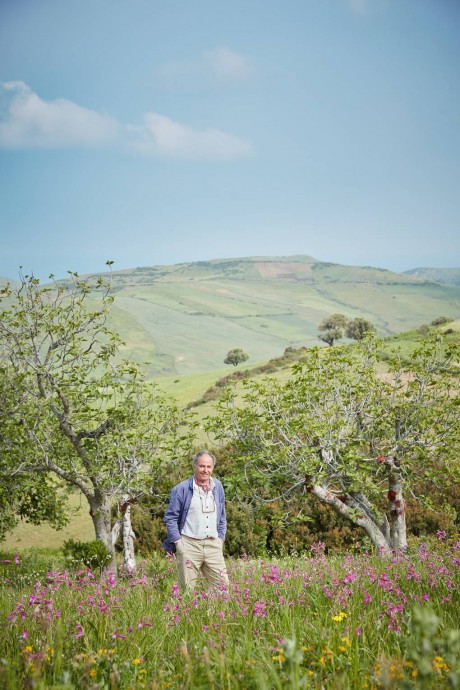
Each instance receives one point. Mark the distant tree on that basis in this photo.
(441, 320)
(332, 327)
(236, 356)
(358, 328)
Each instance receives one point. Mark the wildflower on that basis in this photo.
(259, 609)
(92, 673)
(136, 661)
(340, 616)
(116, 635)
(80, 632)
(351, 577)
(317, 547)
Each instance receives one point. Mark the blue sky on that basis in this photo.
(157, 132)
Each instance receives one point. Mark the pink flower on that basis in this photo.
(80, 632)
(259, 609)
(116, 635)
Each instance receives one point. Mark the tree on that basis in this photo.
(235, 357)
(331, 328)
(348, 435)
(73, 408)
(358, 328)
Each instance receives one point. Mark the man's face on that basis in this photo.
(203, 468)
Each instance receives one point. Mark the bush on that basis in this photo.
(91, 554)
(441, 320)
(424, 329)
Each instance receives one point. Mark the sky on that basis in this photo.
(152, 132)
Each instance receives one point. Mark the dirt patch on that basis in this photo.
(282, 270)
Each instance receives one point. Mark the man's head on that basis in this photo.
(203, 465)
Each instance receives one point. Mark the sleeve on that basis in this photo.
(222, 526)
(172, 516)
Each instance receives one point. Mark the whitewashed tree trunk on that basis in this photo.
(398, 538)
(128, 536)
(349, 508)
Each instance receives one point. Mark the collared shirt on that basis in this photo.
(201, 520)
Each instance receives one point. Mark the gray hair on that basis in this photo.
(198, 455)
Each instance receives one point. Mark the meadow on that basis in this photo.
(339, 621)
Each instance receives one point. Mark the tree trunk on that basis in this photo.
(356, 515)
(128, 536)
(398, 538)
(100, 511)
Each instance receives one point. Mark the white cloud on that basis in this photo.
(28, 121)
(215, 68)
(227, 63)
(159, 135)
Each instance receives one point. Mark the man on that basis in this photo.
(196, 525)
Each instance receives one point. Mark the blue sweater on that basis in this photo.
(179, 503)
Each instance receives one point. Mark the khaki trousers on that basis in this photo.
(200, 555)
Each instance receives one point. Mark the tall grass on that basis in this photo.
(311, 621)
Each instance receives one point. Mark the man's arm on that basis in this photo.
(222, 525)
(172, 515)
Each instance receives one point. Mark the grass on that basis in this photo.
(312, 621)
(26, 536)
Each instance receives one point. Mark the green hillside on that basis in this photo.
(440, 275)
(183, 319)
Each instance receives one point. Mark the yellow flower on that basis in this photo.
(92, 673)
(346, 641)
(136, 661)
(28, 648)
(340, 616)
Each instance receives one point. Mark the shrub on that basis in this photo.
(424, 329)
(442, 320)
(91, 554)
